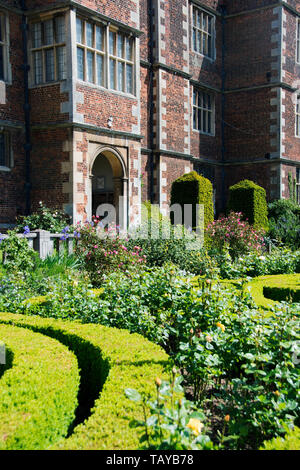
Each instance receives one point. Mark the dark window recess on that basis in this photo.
(4, 150)
(206, 171)
(1, 64)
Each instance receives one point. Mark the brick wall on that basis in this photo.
(12, 194)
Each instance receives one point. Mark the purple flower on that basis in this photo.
(76, 234)
(26, 230)
(65, 234)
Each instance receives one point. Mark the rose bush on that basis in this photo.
(236, 234)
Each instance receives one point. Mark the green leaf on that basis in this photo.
(133, 395)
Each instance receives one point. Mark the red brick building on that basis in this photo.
(101, 99)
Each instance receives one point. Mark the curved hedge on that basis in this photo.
(291, 441)
(266, 291)
(38, 393)
(110, 360)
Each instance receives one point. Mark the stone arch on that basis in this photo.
(114, 157)
(108, 176)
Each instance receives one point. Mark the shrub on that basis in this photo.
(192, 188)
(236, 235)
(161, 242)
(284, 222)
(103, 250)
(174, 422)
(38, 394)
(249, 199)
(18, 256)
(110, 358)
(45, 218)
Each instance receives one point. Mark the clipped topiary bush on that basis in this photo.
(249, 199)
(192, 188)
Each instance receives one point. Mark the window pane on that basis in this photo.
(195, 118)
(204, 44)
(129, 78)
(199, 48)
(209, 123)
(112, 42)
(80, 63)
(194, 16)
(129, 49)
(49, 63)
(90, 66)
(209, 48)
(208, 101)
(1, 64)
(199, 120)
(112, 71)
(61, 62)
(79, 29)
(48, 33)
(38, 67)
(60, 29)
(120, 49)
(99, 38)
(121, 69)
(1, 29)
(2, 150)
(194, 98)
(195, 39)
(89, 34)
(198, 19)
(37, 34)
(204, 121)
(100, 71)
(210, 20)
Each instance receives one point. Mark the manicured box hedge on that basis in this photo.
(291, 441)
(250, 199)
(110, 361)
(38, 391)
(267, 290)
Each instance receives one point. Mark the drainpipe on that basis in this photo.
(151, 98)
(223, 77)
(26, 107)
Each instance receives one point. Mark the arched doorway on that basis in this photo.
(109, 184)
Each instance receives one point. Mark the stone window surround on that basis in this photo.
(107, 56)
(71, 67)
(55, 46)
(4, 18)
(201, 10)
(212, 111)
(298, 41)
